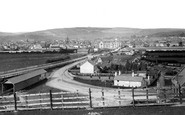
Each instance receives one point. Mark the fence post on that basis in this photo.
(77, 97)
(90, 98)
(51, 101)
(164, 96)
(15, 101)
(133, 97)
(147, 96)
(62, 101)
(119, 97)
(26, 101)
(103, 98)
(180, 95)
(40, 101)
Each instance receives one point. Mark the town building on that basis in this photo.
(36, 46)
(109, 44)
(83, 51)
(174, 44)
(126, 51)
(95, 49)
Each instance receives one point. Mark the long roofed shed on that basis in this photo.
(26, 80)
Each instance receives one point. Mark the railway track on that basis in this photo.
(15, 72)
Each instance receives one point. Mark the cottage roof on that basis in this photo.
(128, 77)
(97, 59)
(24, 77)
(107, 58)
(104, 64)
(91, 62)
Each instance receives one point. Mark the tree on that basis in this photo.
(128, 65)
(67, 40)
(180, 43)
(168, 44)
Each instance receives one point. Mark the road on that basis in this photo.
(63, 80)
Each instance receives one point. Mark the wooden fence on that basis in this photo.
(55, 100)
(68, 100)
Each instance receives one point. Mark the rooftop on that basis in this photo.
(24, 77)
(128, 77)
(181, 77)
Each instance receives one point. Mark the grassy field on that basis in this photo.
(15, 61)
(156, 110)
(21, 60)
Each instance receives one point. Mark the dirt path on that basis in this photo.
(62, 79)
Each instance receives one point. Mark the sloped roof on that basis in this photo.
(181, 77)
(90, 61)
(107, 58)
(24, 77)
(127, 49)
(104, 64)
(93, 63)
(128, 77)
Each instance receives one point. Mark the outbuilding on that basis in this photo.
(88, 67)
(126, 80)
(23, 81)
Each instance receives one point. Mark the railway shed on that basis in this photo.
(20, 82)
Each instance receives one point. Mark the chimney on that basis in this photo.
(148, 79)
(132, 73)
(119, 72)
(115, 74)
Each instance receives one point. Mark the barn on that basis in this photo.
(23, 81)
(126, 80)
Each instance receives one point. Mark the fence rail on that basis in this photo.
(66, 100)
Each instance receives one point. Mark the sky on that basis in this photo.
(34, 15)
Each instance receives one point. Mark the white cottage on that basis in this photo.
(126, 80)
(88, 67)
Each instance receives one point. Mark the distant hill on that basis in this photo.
(88, 33)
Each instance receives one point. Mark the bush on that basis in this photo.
(58, 59)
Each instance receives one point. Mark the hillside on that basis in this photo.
(90, 33)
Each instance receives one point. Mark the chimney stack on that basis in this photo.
(119, 72)
(132, 73)
(116, 74)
